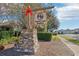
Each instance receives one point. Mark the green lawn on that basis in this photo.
(71, 39)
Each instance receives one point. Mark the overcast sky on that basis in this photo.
(68, 15)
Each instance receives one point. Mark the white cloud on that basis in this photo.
(68, 12)
(73, 4)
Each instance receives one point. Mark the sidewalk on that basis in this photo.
(72, 46)
(53, 48)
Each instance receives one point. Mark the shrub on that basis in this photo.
(6, 37)
(5, 34)
(44, 36)
(8, 40)
(55, 33)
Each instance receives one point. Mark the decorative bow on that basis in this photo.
(29, 11)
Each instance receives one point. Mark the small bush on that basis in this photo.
(5, 34)
(44, 36)
(8, 40)
(6, 37)
(55, 33)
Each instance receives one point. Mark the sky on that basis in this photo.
(68, 15)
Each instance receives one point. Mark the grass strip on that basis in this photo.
(55, 38)
(71, 39)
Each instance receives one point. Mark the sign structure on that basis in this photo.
(28, 41)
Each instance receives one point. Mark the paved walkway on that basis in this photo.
(72, 46)
(53, 48)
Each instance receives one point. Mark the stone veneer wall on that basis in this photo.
(27, 42)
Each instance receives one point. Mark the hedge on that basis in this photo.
(5, 34)
(44, 36)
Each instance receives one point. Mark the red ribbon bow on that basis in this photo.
(28, 11)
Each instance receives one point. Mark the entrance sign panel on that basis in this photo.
(40, 16)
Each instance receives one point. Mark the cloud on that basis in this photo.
(68, 12)
(73, 4)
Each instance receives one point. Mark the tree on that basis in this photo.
(53, 23)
